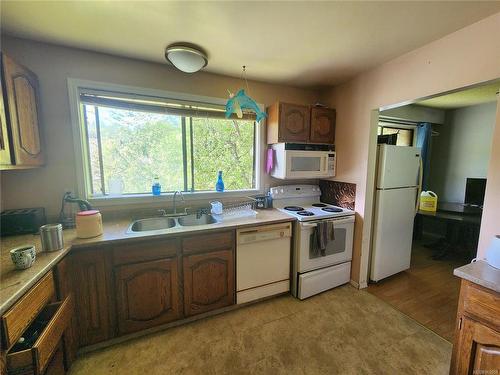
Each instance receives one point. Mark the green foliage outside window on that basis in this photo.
(184, 152)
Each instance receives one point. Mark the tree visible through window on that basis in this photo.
(185, 151)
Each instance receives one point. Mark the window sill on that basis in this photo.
(121, 200)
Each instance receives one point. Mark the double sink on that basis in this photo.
(162, 223)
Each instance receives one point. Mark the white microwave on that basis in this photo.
(297, 161)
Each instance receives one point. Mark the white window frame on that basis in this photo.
(80, 145)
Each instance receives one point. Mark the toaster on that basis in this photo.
(21, 221)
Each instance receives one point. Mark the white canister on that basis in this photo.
(88, 224)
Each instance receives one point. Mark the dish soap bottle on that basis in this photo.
(219, 185)
(156, 187)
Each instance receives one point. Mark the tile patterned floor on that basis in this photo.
(342, 331)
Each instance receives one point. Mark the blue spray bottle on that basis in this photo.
(219, 185)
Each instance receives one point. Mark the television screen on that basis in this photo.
(474, 191)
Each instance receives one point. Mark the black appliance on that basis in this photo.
(22, 221)
(474, 191)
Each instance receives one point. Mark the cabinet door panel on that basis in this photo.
(294, 123)
(208, 281)
(479, 349)
(22, 104)
(65, 289)
(323, 125)
(147, 294)
(5, 158)
(92, 296)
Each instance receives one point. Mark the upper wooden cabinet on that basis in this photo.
(147, 294)
(300, 124)
(322, 125)
(288, 123)
(20, 143)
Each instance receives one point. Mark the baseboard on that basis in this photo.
(354, 284)
(357, 285)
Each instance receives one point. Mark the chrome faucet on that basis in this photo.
(182, 197)
(163, 212)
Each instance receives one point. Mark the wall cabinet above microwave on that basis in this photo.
(20, 143)
(300, 123)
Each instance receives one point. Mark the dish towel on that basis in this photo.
(270, 160)
(321, 236)
(331, 231)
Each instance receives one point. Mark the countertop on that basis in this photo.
(480, 273)
(14, 283)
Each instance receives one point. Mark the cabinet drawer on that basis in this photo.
(54, 319)
(144, 251)
(208, 242)
(23, 313)
(482, 303)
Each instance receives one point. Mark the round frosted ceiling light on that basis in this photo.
(186, 59)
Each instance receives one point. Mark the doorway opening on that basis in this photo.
(439, 147)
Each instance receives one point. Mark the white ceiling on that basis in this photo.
(310, 44)
(464, 98)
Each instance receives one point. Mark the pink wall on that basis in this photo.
(466, 57)
(491, 215)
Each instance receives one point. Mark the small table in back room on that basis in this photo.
(462, 224)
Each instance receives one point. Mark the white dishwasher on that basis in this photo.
(262, 261)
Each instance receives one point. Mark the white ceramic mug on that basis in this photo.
(23, 257)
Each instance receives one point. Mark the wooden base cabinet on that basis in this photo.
(92, 296)
(476, 349)
(208, 281)
(147, 294)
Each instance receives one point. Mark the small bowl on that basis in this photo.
(23, 257)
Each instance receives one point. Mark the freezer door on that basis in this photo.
(397, 166)
(393, 231)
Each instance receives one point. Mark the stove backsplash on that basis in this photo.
(342, 194)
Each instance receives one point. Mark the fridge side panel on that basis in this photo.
(393, 232)
(397, 166)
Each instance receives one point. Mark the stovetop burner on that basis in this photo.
(294, 208)
(332, 209)
(305, 213)
(319, 205)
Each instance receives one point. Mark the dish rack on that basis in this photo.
(237, 210)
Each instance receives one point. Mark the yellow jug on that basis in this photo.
(428, 201)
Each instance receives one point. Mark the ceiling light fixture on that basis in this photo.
(186, 57)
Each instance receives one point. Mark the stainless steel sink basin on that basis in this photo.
(194, 219)
(154, 223)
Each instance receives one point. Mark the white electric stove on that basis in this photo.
(313, 271)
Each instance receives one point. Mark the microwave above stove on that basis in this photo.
(298, 160)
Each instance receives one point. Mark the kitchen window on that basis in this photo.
(131, 139)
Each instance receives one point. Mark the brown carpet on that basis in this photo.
(342, 331)
(428, 292)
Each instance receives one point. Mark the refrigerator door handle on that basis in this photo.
(419, 187)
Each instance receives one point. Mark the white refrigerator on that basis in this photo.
(397, 186)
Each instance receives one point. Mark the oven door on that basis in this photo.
(337, 251)
(309, 164)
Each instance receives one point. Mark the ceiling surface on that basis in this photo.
(308, 44)
(464, 98)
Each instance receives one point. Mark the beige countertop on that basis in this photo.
(480, 273)
(14, 283)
